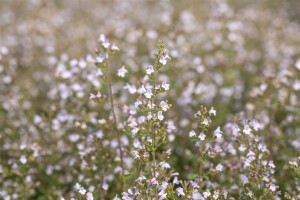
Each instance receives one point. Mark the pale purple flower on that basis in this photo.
(150, 70)
(160, 115)
(122, 71)
(202, 136)
(180, 192)
(218, 133)
(165, 85)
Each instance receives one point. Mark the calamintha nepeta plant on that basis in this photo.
(145, 125)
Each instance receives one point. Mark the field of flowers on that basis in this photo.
(149, 100)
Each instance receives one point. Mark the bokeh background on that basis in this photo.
(224, 53)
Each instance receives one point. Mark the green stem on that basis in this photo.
(115, 121)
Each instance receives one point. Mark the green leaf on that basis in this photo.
(192, 176)
(127, 176)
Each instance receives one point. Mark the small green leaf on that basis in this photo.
(192, 176)
(127, 176)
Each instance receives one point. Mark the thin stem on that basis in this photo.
(115, 120)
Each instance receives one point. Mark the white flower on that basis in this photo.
(130, 88)
(197, 196)
(135, 154)
(202, 136)
(99, 59)
(192, 133)
(154, 181)
(97, 96)
(242, 147)
(165, 165)
(164, 106)
(160, 115)
(165, 85)
(142, 90)
(219, 168)
(164, 59)
(99, 72)
(206, 193)
(212, 111)
(179, 192)
(273, 187)
(150, 70)
(132, 124)
(293, 163)
(135, 130)
(255, 125)
(218, 133)
(89, 196)
(122, 71)
(247, 129)
(148, 94)
(116, 197)
(244, 179)
(23, 159)
(115, 48)
(104, 41)
(79, 189)
(101, 38)
(176, 181)
(138, 103)
(298, 64)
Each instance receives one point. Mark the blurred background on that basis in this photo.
(224, 54)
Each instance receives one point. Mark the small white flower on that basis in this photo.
(104, 41)
(138, 103)
(154, 181)
(255, 125)
(165, 165)
(219, 168)
(273, 187)
(135, 130)
(218, 133)
(130, 88)
(206, 193)
(176, 181)
(242, 148)
(165, 85)
(116, 197)
(244, 179)
(160, 115)
(212, 111)
(101, 38)
(135, 154)
(99, 72)
(298, 64)
(192, 133)
(179, 191)
(293, 163)
(202, 136)
(164, 106)
(150, 70)
(115, 48)
(89, 196)
(79, 189)
(122, 71)
(142, 90)
(247, 129)
(99, 59)
(164, 59)
(23, 159)
(132, 124)
(148, 94)
(197, 196)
